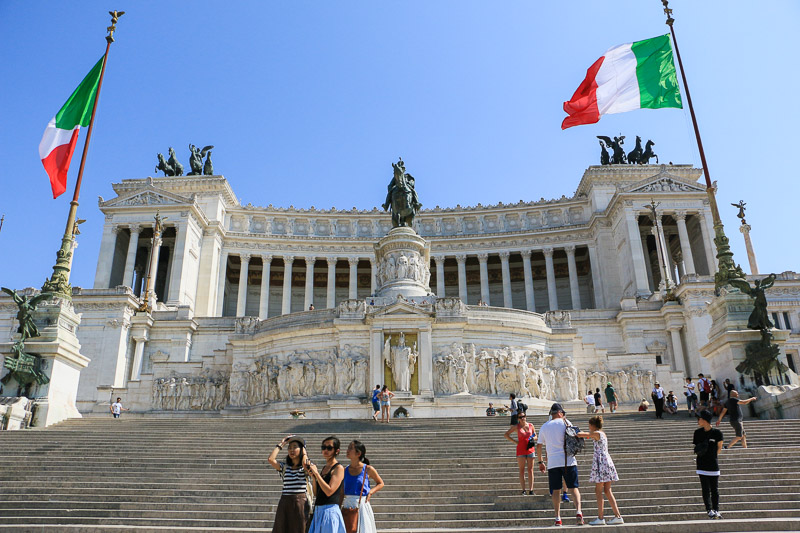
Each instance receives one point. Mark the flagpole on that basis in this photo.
(59, 281)
(727, 268)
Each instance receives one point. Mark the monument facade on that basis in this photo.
(261, 310)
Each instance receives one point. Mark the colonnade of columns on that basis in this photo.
(289, 262)
(504, 256)
(682, 260)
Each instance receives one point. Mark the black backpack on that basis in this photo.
(573, 445)
(522, 407)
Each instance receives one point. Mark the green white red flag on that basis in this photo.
(61, 135)
(639, 75)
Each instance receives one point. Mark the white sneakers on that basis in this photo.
(602, 522)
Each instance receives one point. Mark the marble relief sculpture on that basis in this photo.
(460, 369)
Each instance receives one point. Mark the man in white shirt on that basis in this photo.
(116, 408)
(559, 467)
(589, 400)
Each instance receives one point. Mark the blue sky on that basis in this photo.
(308, 103)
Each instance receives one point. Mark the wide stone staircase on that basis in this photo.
(442, 475)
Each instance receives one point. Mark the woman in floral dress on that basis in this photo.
(603, 472)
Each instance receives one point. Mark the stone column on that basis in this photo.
(661, 237)
(425, 363)
(263, 312)
(686, 247)
(506, 279)
(223, 272)
(138, 353)
(241, 301)
(461, 259)
(130, 259)
(677, 349)
(331, 296)
(152, 270)
(373, 276)
(708, 242)
(530, 303)
(573, 278)
(597, 281)
(637, 254)
(176, 270)
(552, 297)
(483, 259)
(751, 254)
(108, 244)
(662, 266)
(309, 298)
(286, 305)
(353, 282)
(439, 259)
(648, 263)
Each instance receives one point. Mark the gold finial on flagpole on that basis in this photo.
(668, 12)
(115, 15)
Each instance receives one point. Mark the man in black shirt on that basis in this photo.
(707, 445)
(733, 406)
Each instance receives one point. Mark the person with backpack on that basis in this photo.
(561, 444)
(526, 434)
(295, 504)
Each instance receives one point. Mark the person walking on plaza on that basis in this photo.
(526, 434)
(691, 396)
(559, 466)
(734, 409)
(116, 408)
(293, 507)
(329, 489)
(707, 445)
(376, 402)
(603, 472)
(611, 397)
(658, 400)
(598, 401)
(386, 403)
(356, 509)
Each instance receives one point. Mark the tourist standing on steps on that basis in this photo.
(728, 388)
(293, 507)
(707, 445)
(376, 402)
(603, 472)
(658, 399)
(328, 490)
(691, 396)
(386, 403)
(611, 397)
(704, 387)
(526, 434)
(559, 466)
(734, 409)
(116, 408)
(589, 401)
(513, 409)
(356, 509)
(598, 401)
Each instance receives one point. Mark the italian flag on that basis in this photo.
(630, 76)
(61, 135)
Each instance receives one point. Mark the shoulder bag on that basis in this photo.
(351, 515)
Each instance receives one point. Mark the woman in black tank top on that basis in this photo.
(329, 489)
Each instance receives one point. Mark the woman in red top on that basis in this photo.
(525, 433)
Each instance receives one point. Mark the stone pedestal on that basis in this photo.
(403, 257)
(729, 336)
(62, 362)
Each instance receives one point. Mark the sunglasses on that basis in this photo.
(327, 447)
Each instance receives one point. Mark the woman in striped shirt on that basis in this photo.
(293, 507)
